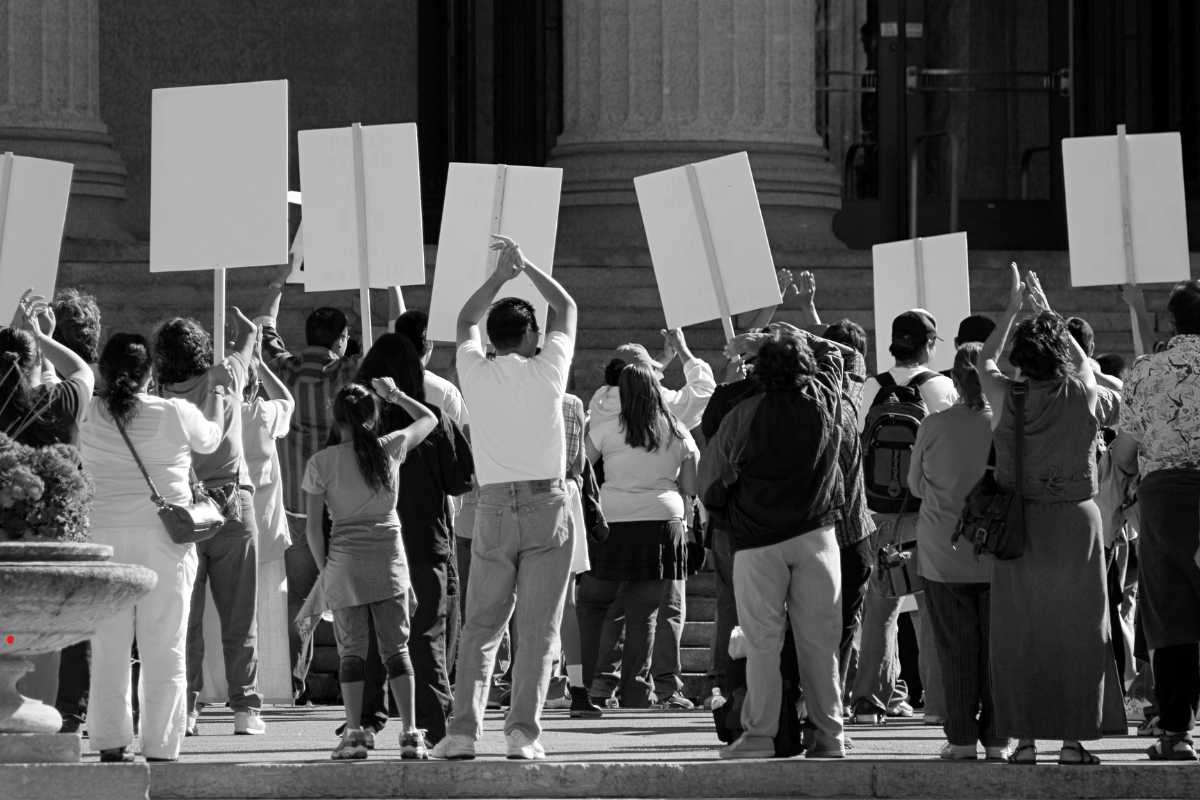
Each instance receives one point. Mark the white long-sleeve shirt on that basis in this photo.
(687, 404)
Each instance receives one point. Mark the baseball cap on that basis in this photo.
(914, 328)
(634, 353)
(975, 328)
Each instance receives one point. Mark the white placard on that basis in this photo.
(395, 240)
(676, 209)
(929, 273)
(482, 199)
(1158, 211)
(34, 193)
(219, 176)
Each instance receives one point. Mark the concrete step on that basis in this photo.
(698, 633)
(702, 584)
(695, 659)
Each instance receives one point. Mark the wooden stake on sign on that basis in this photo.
(919, 268)
(360, 212)
(710, 252)
(1127, 231)
(218, 315)
(498, 208)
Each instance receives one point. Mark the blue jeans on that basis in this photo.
(520, 561)
(876, 682)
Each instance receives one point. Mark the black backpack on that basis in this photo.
(888, 436)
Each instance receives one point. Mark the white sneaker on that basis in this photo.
(248, 722)
(521, 747)
(454, 747)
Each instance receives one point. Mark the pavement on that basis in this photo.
(625, 754)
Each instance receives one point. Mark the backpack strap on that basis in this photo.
(885, 380)
(921, 378)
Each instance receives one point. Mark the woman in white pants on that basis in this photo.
(164, 434)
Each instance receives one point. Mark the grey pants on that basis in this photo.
(229, 561)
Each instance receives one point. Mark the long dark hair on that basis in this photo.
(966, 376)
(644, 415)
(18, 351)
(394, 356)
(356, 408)
(124, 365)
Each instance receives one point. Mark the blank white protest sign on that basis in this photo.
(219, 176)
(938, 282)
(482, 199)
(1158, 211)
(676, 209)
(395, 240)
(33, 209)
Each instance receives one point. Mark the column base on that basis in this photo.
(798, 189)
(98, 184)
(40, 748)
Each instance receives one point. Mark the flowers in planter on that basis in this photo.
(44, 493)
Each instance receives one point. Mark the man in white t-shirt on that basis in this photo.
(521, 552)
(875, 693)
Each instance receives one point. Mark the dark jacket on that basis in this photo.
(724, 398)
(771, 472)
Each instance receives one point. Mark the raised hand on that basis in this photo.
(745, 344)
(1016, 290)
(510, 260)
(1132, 294)
(386, 388)
(806, 287)
(787, 282)
(1033, 289)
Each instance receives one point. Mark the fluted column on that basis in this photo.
(652, 84)
(50, 104)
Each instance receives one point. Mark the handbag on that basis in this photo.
(196, 522)
(695, 543)
(993, 519)
(898, 569)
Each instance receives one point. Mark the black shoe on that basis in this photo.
(581, 705)
(71, 723)
(116, 755)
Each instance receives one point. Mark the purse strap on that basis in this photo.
(155, 497)
(1019, 390)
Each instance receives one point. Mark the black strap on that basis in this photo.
(155, 497)
(921, 378)
(1019, 389)
(885, 380)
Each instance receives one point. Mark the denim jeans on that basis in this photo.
(229, 561)
(639, 602)
(876, 682)
(520, 562)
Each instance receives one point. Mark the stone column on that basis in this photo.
(653, 84)
(50, 105)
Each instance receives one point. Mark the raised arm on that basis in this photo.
(565, 311)
(414, 433)
(477, 304)
(806, 287)
(39, 318)
(247, 335)
(1083, 368)
(270, 304)
(991, 379)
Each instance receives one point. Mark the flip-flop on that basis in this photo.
(1085, 759)
(1013, 757)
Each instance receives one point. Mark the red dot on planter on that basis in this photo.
(10, 640)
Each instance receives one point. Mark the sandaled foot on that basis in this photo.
(1172, 747)
(1024, 754)
(1076, 755)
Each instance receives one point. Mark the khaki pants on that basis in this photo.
(797, 580)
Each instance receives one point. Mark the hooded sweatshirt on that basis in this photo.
(687, 404)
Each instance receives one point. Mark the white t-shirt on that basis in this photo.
(938, 392)
(516, 410)
(640, 485)
(446, 396)
(165, 434)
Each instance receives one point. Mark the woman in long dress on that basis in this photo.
(1050, 639)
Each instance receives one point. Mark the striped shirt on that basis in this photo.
(313, 376)
(573, 422)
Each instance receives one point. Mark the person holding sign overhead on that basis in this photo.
(521, 553)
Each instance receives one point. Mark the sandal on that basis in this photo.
(1172, 747)
(1086, 759)
(116, 755)
(1015, 756)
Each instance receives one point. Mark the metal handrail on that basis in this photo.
(914, 154)
(1026, 158)
(974, 81)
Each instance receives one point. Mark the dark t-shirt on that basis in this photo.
(58, 407)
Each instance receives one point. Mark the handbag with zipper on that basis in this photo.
(195, 522)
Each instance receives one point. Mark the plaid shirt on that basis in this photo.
(573, 428)
(314, 377)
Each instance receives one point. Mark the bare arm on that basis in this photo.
(63, 359)
(565, 311)
(1083, 368)
(270, 304)
(312, 529)
(992, 381)
(247, 338)
(688, 479)
(274, 388)
(413, 434)
(477, 304)
(806, 288)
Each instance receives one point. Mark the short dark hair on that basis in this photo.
(182, 350)
(324, 327)
(1111, 364)
(975, 328)
(612, 371)
(849, 333)
(905, 354)
(509, 319)
(1184, 307)
(1082, 332)
(784, 361)
(78, 323)
(414, 324)
(1041, 347)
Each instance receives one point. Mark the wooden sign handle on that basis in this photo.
(710, 252)
(6, 170)
(1127, 228)
(360, 214)
(919, 269)
(218, 315)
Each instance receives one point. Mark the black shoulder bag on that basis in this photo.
(993, 519)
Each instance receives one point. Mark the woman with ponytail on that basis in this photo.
(650, 464)
(364, 570)
(164, 434)
(48, 412)
(949, 457)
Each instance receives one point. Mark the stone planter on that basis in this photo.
(53, 594)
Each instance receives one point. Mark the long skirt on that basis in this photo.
(1050, 636)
